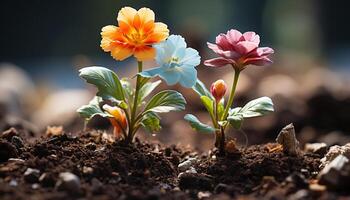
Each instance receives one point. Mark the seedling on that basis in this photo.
(127, 108)
(237, 50)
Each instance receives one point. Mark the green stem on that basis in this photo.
(232, 94)
(132, 129)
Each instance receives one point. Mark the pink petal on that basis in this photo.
(233, 36)
(252, 37)
(264, 51)
(245, 47)
(218, 62)
(223, 42)
(212, 46)
(259, 61)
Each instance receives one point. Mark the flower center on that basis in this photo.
(173, 62)
(135, 37)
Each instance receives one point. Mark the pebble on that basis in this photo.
(16, 160)
(288, 140)
(13, 183)
(31, 175)
(187, 164)
(35, 186)
(88, 170)
(8, 134)
(317, 148)
(336, 174)
(202, 195)
(68, 182)
(333, 152)
(17, 141)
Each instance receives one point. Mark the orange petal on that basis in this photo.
(124, 27)
(147, 27)
(108, 31)
(144, 53)
(146, 15)
(121, 52)
(106, 44)
(126, 14)
(137, 21)
(161, 28)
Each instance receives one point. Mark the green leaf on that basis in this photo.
(257, 107)
(197, 125)
(151, 122)
(254, 108)
(166, 101)
(209, 104)
(143, 81)
(201, 90)
(235, 120)
(147, 89)
(105, 80)
(92, 109)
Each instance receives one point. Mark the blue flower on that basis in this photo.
(175, 62)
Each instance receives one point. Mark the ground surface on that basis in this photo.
(113, 170)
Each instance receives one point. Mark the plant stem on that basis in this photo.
(134, 107)
(221, 135)
(232, 94)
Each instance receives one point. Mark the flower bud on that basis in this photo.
(218, 89)
(118, 121)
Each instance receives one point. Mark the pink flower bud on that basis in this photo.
(218, 89)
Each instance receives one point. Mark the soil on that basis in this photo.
(106, 169)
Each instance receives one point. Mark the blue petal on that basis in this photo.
(191, 57)
(152, 72)
(188, 76)
(177, 41)
(171, 77)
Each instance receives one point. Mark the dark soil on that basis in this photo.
(115, 170)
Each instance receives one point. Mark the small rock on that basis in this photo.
(88, 170)
(288, 140)
(187, 164)
(31, 175)
(317, 148)
(191, 170)
(17, 141)
(13, 183)
(35, 186)
(68, 182)
(91, 146)
(16, 160)
(202, 195)
(336, 174)
(8, 134)
(317, 187)
(333, 152)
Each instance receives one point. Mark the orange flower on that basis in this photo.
(118, 121)
(136, 33)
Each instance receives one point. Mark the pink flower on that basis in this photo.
(239, 50)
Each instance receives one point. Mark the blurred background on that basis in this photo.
(44, 43)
